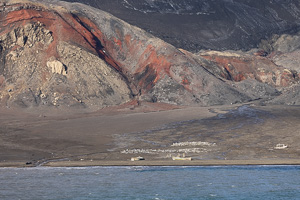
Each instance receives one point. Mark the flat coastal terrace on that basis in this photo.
(220, 135)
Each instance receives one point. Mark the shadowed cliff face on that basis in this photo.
(206, 24)
(54, 53)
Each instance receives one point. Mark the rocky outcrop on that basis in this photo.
(284, 50)
(241, 66)
(54, 53)
(102, 61)
(57, 67)
(38, 68)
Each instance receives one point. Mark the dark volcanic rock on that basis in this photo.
(198, 24)
(289, 96)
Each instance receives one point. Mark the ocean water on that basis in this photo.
(157, 183)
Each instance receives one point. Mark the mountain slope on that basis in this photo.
(206, 24)
(54, 53)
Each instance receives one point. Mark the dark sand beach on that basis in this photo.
(220, 135)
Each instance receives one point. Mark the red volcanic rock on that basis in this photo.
(238, 67)
(156, 70)
(64, 27)
(54, 53)
(75, 55)
(35, 42)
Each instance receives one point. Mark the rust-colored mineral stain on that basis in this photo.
(127, 39)
(118, 42)
(22, 16)
(159, 63)
(94, 37)
(185, 82)
(241, 68)
(64, 27)
(159, 68)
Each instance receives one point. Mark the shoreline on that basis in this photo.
(173, 163)
(154, 163)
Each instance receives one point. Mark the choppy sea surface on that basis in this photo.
(157, 183)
